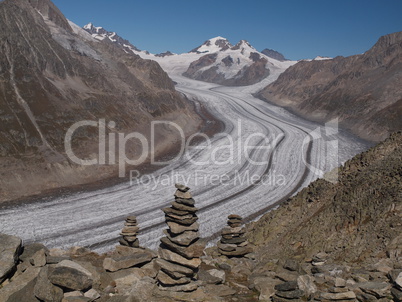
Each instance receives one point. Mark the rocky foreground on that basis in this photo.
(331, 242)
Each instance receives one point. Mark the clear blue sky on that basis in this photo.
(297, 28)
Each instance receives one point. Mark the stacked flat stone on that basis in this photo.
(130, 232)
(181, 249)
(233, 242)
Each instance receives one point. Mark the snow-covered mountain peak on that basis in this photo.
(244, 46)
(213, 45)
(320, 58)
(88, 26)
(100, 33)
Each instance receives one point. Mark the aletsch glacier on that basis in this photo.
(94, 219)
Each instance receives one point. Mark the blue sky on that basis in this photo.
(298, 29)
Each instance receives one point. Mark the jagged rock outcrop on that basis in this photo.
(363, 91)
(54, 74)
(181, 249)
(274, 54)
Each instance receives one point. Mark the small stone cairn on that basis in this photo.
(233, 242)
(181, 249)
(130, 232)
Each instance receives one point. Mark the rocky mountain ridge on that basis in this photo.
(54, 74)
(274, 54)
(363, 91)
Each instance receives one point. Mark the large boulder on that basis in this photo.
(10, 247)
(377, 289)
(29, 250)
(136, 257)
(18, 284)
(44, 290)
(71, 275)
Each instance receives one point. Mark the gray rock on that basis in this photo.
(178, 229)
(181, 187)
(188, 202)
(218, 274)
(339, 289)
(192, 286)
(18, 283)
(287, 286)
(229, 230)
(118, 263)
(184, 239)
(226, 247)
(339, 282)
(25, 294)
(306, 283)
(46, 291)
(339, 296)
(293, 294)
(76, 299)
(165, 279)
(74, 294)
(239, 252)
(39, 258)
(143, 289)
(396, 277)
(92, 294)
(56, 259)
(10, 247)
(235, 240)
(393, 274)
(291, 265)
(183, 221)
(176, 258)
(194, 250)
(30, 249)
(183, 195)
(265, 286)
(71, 275)
(377, 289)
(167, 266)
(182, 207)
(397, 294)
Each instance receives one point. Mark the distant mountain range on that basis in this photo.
(216, 60)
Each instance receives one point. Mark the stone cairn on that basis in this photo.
(130, 232)
(233, 242)
(181, 249)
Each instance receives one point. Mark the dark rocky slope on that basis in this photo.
(363, 91)
(52, 75)
(274, 54)
(356, 220)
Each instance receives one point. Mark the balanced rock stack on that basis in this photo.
(130, 232)
(181, 249)
(233, 242)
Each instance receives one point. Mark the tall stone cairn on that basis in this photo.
(233, 242)
(181, 249)
(129, 233)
